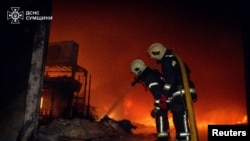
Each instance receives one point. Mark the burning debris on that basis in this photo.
(124, 125)
(82, 129)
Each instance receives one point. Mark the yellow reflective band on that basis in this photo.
(167, 86)
(158, 108)
(162, 134)
(184, 134)
(182, 91)
(161, 124)
(157, 101)
(152, 84)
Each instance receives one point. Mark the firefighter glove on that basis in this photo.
(163, 102)
(136, 80)
(155, 112)
(194, 97)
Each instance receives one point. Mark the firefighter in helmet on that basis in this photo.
(174, 88)
(153, 80)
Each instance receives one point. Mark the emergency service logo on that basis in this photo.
(15, 15)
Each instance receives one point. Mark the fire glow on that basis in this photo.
(217, 116)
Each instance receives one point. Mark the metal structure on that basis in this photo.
(65, 83)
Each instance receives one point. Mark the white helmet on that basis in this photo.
(157, 51)
(138, 66)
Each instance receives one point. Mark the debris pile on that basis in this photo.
(84, 130)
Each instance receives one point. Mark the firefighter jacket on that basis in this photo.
(153, 80)
(172, 73)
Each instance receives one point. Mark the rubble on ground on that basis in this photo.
(84, 130)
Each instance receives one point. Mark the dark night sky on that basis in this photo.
(111, 34)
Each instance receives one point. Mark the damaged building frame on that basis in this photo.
(64, 89)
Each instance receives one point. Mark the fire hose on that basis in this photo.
(191, 116)
(122, 96)
(118, 100)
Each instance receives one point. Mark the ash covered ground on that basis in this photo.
(105, 130)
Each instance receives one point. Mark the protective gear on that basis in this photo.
(184, 135)
(136, 80)
(157, 51)
(194, 97)
(172, 71)
(193, 93)
(162, 127)
(155, 112)
(154, 82)
(163, 102)
(138, 66)
(182, 92)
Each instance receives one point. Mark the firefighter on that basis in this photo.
(153, 81)
(174, 89)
